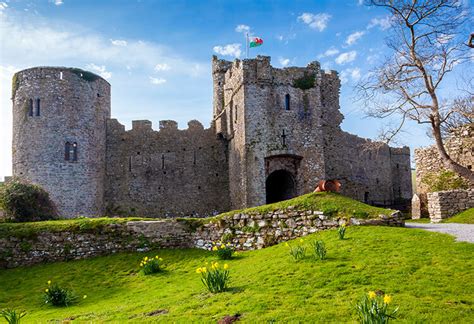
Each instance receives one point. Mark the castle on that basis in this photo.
(274, 134)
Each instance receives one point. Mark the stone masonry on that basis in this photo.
(245, 231)
(275, 133)
(444, 204)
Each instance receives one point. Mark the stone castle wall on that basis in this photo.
(165, 173)
(271, 130)
(74, 106)
(245, 231)
(444, 204)
(305, 139)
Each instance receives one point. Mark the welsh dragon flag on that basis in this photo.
(255, 41)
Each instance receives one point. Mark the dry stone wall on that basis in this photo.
(245, 231)
(444, 204)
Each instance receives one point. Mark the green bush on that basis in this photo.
(58, 296)
(24, 202)
(374, 309)
(12, 316)
(444, 180)
(215, 279)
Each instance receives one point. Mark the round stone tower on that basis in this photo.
(59, 135)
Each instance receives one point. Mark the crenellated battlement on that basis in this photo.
(274, 134)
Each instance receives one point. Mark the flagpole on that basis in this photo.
(247, 44)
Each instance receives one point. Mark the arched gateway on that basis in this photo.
(280, 185)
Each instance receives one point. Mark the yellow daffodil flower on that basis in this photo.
(49, 282)
(84, 297)
(286, 244)
(387, 299)
(46, 290)
(214, 248)
(222, 246)
(372, 294)
(226, 266)
(161, 259)
(301, 240)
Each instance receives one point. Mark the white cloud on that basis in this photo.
(3, 6)
(228, 50)
(57, 2)
(118, 42)
(162, 67)
(383, 23)
(354, 37)
(346, 57)
(280, 37)
(157, 81)
(46, 43)
(242, 29)
(329, 52)
(101, 70)
(284, 61)
(315, 21)
(350, 74)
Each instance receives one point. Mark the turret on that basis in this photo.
(59, 135)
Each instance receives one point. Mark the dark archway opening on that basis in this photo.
(280, 185)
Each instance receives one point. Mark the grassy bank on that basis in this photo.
(429, 276)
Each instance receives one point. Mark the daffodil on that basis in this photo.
(286, 244)
(214, 248)
(372, 294)
(198, 270)
(157, 257)
(226, 266)
(146, 259)
(387, 299)
(301, 240)
(161, 259)
(84, 297)
(49, 282)
(46, 290)
(222, 246)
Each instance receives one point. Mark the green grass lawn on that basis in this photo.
(430, 277)
(465, 217)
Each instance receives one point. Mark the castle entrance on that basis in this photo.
(280, 185)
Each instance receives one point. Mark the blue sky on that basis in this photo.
(156, 54)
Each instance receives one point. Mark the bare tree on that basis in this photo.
(427, 40)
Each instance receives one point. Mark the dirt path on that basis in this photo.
(462, 232)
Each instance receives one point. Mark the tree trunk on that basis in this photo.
(448, 162)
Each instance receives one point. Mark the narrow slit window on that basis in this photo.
(30, 108)
(67, 151)
(38, 107)
(74, 151)
(287, 102)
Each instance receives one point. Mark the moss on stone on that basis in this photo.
(307, 81)
(15, 84)
(86, 75)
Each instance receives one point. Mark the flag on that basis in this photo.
(255, 41)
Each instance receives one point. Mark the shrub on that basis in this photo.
(58, 296)
(319, 249)
(341, 231)
(12, 316)
(307, 81)
(215, 279)
(374, 309)
(151, 265)
(24, 202)
(298, 252)
(223, 251)
(444, 180)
